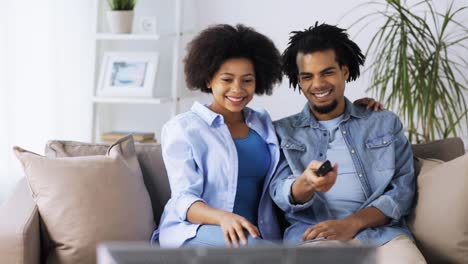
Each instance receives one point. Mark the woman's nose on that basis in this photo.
(236, 85)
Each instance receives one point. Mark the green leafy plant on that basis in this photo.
(121, 5)
(416, 67)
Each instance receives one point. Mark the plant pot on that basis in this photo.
(120, 21)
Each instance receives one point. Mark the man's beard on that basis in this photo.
(326, 108)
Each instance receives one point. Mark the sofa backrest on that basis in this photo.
(155, 175)
(445, 149)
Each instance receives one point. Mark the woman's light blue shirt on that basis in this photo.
(202, 165)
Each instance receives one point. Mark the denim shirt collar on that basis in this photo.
(212, 118)
(306, 118)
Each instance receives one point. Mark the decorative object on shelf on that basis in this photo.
(148, 141)
(120, 17)
(147, 25)
(137, 136)
(129, 74)
(418, 69)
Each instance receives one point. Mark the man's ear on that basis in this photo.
(345, 70)
(208, 85)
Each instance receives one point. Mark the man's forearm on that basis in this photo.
(301, 191)
(367, 218)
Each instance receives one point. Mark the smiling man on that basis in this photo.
(369, 192)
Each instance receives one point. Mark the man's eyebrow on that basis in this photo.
(328, 69)
(322, 71)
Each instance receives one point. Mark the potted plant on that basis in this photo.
(416, 66)
(120, 15)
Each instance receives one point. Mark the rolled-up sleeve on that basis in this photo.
(185, 178)
(397, 200)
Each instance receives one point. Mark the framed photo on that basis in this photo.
(127, 74)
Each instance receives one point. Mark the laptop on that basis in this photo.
(144, 253)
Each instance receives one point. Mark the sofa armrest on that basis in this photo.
(19, 227)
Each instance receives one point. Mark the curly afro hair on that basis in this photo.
(319, 38)
(214, 45)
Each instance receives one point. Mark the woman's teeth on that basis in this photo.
(235, 99)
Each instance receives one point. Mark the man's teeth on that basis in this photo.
(235, 99)
(322, 94)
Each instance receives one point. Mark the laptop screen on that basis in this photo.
(139, 253)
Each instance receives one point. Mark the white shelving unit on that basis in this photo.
(135, 114)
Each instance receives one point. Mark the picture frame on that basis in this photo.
(127, 74)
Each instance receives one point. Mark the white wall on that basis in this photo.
(46, 80)
(4, 153)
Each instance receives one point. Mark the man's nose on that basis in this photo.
(317, 83)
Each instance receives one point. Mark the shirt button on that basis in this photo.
(325, 134)
(385, 142)
(360, 175)
(321, 154)
(352, 151)
(287, 145)
(344, 132)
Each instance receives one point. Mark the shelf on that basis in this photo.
(110, 36)
(121, 112)
(124, 100)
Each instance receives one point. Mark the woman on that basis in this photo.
(220, 157)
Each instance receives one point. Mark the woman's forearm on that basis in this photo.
(201, 213)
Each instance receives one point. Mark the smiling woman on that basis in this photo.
(220, 157)
(233, 87)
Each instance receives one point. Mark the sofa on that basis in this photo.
(23, 238)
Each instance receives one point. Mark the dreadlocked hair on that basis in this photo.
(319, 38)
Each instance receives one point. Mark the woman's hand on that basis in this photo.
(233, 226)
(369, 103)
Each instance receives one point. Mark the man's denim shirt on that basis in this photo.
(201, 162)
(382, 158)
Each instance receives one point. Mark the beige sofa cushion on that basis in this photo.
(149, 157)
(86, 200)
(440, 218)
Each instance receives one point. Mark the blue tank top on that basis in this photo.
(254, 162)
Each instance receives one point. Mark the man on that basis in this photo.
(369, 192)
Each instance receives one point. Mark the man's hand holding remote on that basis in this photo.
(310, 182)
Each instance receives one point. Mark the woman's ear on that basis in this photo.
(208, 85)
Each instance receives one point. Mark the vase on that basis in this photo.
(120, 21)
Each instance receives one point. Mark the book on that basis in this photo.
(137, 136)
(148, 141)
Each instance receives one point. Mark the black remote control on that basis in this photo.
(325, 168)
